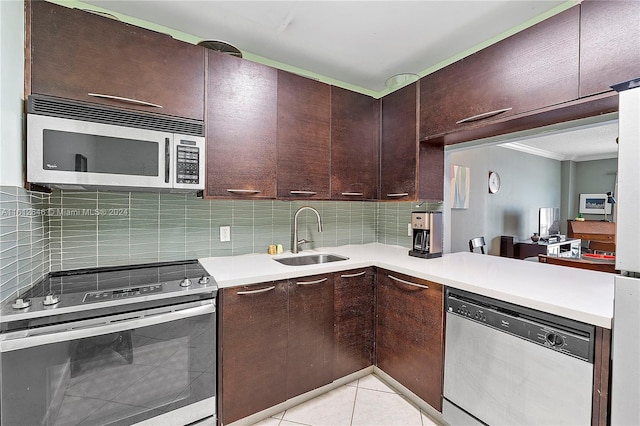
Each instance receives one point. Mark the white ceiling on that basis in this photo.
(582, 143)
(363, 43)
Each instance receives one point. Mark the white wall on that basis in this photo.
(528, 183)
(11, 91)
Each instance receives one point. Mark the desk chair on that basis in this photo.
(475, 243)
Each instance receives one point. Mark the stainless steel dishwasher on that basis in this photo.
(510, 365)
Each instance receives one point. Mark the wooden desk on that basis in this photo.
(601, 235)
(578, 263)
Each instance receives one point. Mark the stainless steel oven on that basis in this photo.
(111, 346)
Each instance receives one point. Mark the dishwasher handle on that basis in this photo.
(106, 325)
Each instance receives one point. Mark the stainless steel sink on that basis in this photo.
(310, 259)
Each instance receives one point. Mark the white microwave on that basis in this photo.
(72, 154)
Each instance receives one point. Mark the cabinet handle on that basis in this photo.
(167, 159)
(357, 274)
(353, 194)
(407, 282)
(311, 282)
(302, 192)
(125, 100)
(398, 194)
(262, 290)
(483, 115)
(244, 191)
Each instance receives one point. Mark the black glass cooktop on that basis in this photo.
(117, 277)
(79, 293)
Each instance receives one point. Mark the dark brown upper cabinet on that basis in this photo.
(431, 171)
(83, 56)
(532, 69)
(241, 128)
(399, 145)
(354, 145)
(609, 44)
(304, 138)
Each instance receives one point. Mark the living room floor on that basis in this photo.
(367, 401)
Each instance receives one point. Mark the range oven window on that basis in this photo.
(120, 373)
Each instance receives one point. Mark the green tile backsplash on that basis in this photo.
(90, 229)
(24, 242)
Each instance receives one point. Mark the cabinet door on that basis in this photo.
(431, 171)
(310, 352)
(253, 342)
(609, 44)
(399, 145)
(532, 69)
(409, 333)
(354, 145)
(304, 151)
(241, 128)
(83, 56)
(354, 320)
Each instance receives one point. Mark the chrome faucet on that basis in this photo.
(296, 242)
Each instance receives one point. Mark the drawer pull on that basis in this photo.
(302, 192)
(262, 290)
(357, 274)
(353, 194)
(311, 282)
(483, 115)
(125, 100)
(244, 191)
(407, 282)
(398, 194)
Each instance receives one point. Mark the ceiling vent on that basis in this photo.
(221, 46)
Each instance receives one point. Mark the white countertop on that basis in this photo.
(574, 293)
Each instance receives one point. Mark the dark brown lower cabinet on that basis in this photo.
(354, 320)
(253, 348)
(310, 349)
(409, 333)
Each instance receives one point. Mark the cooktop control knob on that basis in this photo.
(203, 280)
(185, 283)
(50, 299)
(21, 303)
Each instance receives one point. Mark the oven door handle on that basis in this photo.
(106, 325)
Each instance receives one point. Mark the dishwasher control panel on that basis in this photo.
(561, 334)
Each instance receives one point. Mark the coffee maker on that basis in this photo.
(426, 241)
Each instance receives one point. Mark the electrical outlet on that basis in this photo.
(225, 233)
(409, 229)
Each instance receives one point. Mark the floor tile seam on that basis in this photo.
(353, 408)
(391, 391)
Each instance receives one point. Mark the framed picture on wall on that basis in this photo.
(594, 204)
(460, 184)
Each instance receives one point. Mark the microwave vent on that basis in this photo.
(63, 108)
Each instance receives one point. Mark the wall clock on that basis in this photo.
(494, 182)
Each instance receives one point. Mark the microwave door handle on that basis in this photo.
(19, 341)
(167, 159)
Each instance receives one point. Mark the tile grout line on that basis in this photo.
(353, 410)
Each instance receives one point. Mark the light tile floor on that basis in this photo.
(365, 402)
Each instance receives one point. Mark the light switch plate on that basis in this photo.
(409, 229)
(225, 233)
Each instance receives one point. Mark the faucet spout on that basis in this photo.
(297, 243)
